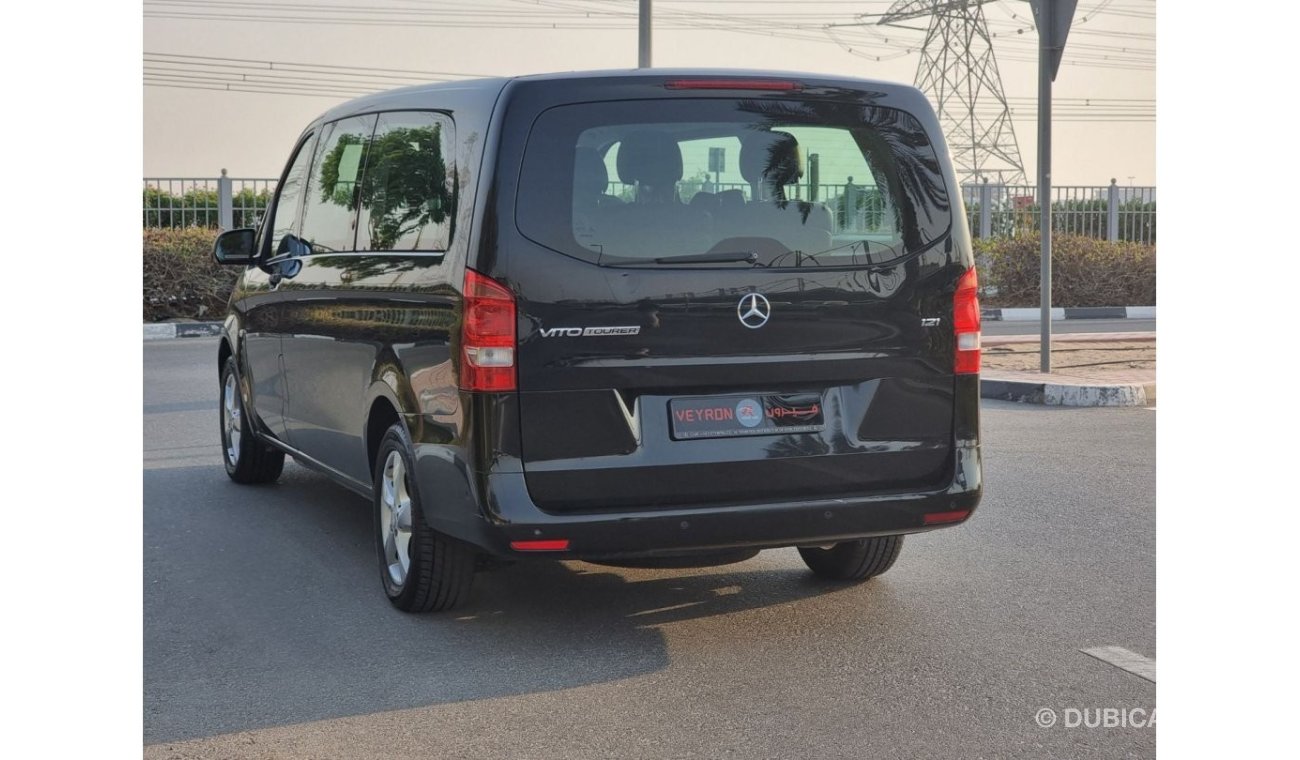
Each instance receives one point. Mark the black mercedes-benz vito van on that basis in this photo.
(630, 317)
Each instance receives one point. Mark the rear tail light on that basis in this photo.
(731, 84)
(939, 518)
(966, 324)
(487, 336)
(543, 545)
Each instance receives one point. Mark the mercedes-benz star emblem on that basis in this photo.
(753, 310)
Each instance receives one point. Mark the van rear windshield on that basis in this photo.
(781, 183)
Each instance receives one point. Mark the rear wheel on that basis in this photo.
(853, 560)
(422, 569)
(247, 459)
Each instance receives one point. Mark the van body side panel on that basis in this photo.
(351, 317)
(258, 343)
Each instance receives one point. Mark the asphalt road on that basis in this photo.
(266, 633)
(991, 327)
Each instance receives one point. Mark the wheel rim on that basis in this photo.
(232, 419)
(395, 518)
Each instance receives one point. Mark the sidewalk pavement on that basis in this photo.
(1110, 337)
(1066, 387)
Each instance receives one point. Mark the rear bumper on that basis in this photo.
(509, 514)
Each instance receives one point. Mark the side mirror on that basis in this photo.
(235, 247)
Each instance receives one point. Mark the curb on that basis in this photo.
(1082, 312)
(168, 330)
(1067, 394)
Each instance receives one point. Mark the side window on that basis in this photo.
(408, 192)
(329, 215)
(284, 218)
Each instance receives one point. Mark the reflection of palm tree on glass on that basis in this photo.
(361, 269)
(894, 145)
(798, 446)
(404, 186)
(345, 158)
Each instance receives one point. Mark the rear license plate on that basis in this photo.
(731, 416)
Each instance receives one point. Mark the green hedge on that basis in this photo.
(181, 281)
(1085, 272)
(197, 207)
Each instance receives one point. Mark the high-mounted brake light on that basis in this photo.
(966, 324)
(731, 84)
(487, 336)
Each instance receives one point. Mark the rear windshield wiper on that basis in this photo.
(721, 257)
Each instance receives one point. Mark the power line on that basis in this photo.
(602, 15)
(238, 88)
(283, 77)
(338, 95)
(334, 81)
(371, 78)
(354, 70)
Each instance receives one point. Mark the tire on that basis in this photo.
(438, 569)
(853, 560)
(247, 459)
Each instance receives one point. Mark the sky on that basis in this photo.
(193, 49)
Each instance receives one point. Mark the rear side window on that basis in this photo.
(329, 216)
(794, 182)
(408, 194)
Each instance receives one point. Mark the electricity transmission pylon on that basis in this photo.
(960, 75)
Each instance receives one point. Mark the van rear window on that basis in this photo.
(780, 183)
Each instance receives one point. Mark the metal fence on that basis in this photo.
(1109, 212)
(224, 202)
(854, 208)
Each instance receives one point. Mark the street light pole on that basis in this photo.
(1053, 18)
(643, 36)
(1046, 11)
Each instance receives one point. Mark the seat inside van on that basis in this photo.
(655, 221)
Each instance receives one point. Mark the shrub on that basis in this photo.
(180, 278)
(1085, 272)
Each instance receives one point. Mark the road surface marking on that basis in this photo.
(1123, 659)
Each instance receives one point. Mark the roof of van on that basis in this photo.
(708, 72)
(409, 97)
